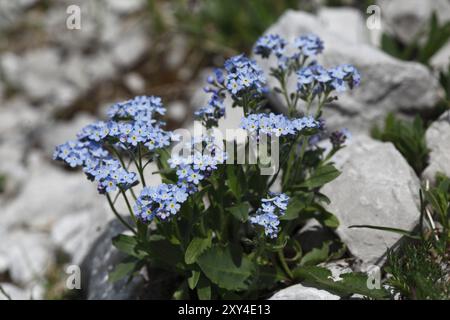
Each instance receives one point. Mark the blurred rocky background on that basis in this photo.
(54, 80)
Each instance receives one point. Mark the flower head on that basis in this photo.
(268, 44)
(338, 138)
(162, 201)
(309, 45)
(315, 79)
(243, 75)
(276, 124)
(268, 215)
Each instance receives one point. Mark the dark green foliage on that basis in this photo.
(217, 26)
(408, 138)
(437, 199)
(436, 36)
(418, 273)
(351, 282)
(421, 270)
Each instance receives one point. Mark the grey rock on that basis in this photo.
(178, 111)
(75, 233)
(12, 169)
(40, 74)
(18, 122)
(13, 292)
(49, 194)
(125, 7)
(101, 67)
(301, 292)
(438, 141)
(377, 187)
(17, 293)
(388, 84)
(408, 18)
(130, 49)
(441, 59)
(337, 268)
(176, 52)
(58, 132)
(103, 257)
(12, 11)
(135, 82)
(100, 25)
(347, 22)
(28, 255)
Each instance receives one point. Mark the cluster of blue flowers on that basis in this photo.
(316, 79)
(130, 123)
(97, 164)
(268, 215)
(312, 78)
(110, 175)
(140, 109)
(166, 199)
(308, 46)
(161, 201)
(268, 44)
(277, 124)
(243, 75)
(200, 165)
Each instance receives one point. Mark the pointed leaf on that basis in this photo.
(196, 247)
(217, 264)
(240, 211)
(349, 283)
(321, 176)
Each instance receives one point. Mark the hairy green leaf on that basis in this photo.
(217, 264)
(196, 247)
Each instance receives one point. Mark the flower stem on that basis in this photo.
(140, 168)
(129, 206)
(284, 264)
(117, 153)
(282, 80)
(118, 216)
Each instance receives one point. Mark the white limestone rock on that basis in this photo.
(438, 141)
(377, 187)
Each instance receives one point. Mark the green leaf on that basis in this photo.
(196, 247)
(326, 218)
(240, 211)
(321, 176)
(233, 182)
(269, 276)
(204, 289)
(406, 233)
(316, 255)
(122, 270)
(295, 206)
(164, 252)
(217, 264)
(351, 282)
(128, 244)
(438, 200)
(193, 279)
